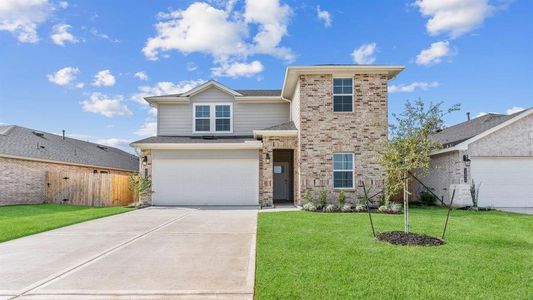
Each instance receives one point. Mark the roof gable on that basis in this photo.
(207, 85)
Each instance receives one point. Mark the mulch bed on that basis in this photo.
(409, 239)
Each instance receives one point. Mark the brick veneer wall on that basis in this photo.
(324, 132)
(146, 170)
(24, 181)
(266, 174)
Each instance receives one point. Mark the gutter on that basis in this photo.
(253, 145)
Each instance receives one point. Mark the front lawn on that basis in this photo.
(304, 255)
(21, 220)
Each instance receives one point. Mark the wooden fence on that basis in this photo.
(88, 189)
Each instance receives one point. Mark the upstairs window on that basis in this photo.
(222, 118)
(342, 94)
(212, 118)
(202, 118)
(343, 171)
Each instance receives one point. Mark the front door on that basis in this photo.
(281, 181)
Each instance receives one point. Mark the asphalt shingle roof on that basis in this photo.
(461, 132)
(259, 93)
(284, 126)
(25, 142)
(194, 139)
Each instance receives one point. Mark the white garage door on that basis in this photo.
(205, 177)
(505, 182)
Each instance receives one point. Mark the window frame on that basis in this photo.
(333, 94)
(212, 117)
(343, 170)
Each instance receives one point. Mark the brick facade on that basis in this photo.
(323, 132)
(146, 170)
(24, 181)
(270, 143)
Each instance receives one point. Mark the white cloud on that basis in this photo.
(147, 129)
(63, 4)
(408, 88)
(434, 54)
(365, 54)
(104, 78)
(60, 35)
(80, 85)
(22, 17)
(141, 75)
(63, 76)
(106, 105)
(514, 109)
(272, 18)
(238, 69)
(324, 16)
(223, 33)
(199, 28)
(454, 17)
(103, 36)
(164, 88)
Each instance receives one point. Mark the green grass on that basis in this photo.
(304, 255)
(22, 220)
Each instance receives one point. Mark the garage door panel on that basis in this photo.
(206, 181)
(505, 182)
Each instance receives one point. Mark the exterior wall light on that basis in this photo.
(145, 160)
(267, 158)
(466, 160)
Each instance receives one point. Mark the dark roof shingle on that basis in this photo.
(259, 93)
(25, 142)
(284, 126)
(461, 132)
(194, 139)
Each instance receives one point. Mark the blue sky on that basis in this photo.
(83, 66)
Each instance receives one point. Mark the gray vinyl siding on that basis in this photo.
(177, 119)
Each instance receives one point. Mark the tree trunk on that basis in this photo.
(406, 203)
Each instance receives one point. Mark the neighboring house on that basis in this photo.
(220, 146)
(495, 152)
(26, 155)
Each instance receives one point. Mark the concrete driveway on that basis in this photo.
(153, 253)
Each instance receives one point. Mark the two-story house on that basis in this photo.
(220, 146)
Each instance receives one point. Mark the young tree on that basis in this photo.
(141, 186)
(409, 145)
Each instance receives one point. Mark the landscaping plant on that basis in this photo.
(408, 148)
(474, 193)
(341, 199)
(141, 187)
(323, 198)
(426, 198)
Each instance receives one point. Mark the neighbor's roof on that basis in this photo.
(461, 132)
(16, 141)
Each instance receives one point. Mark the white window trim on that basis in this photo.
(212, 117)
(343, 170)
(333, 94)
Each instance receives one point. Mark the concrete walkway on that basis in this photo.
(153, 253)
(518, 210)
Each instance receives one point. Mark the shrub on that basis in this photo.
(395, 207)
(323, 198)
(309, 207)
(360, 207)
(341, 199)
(474, 193)
(427, 198)
(331, 208)
(307, 197)
(346, 208)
